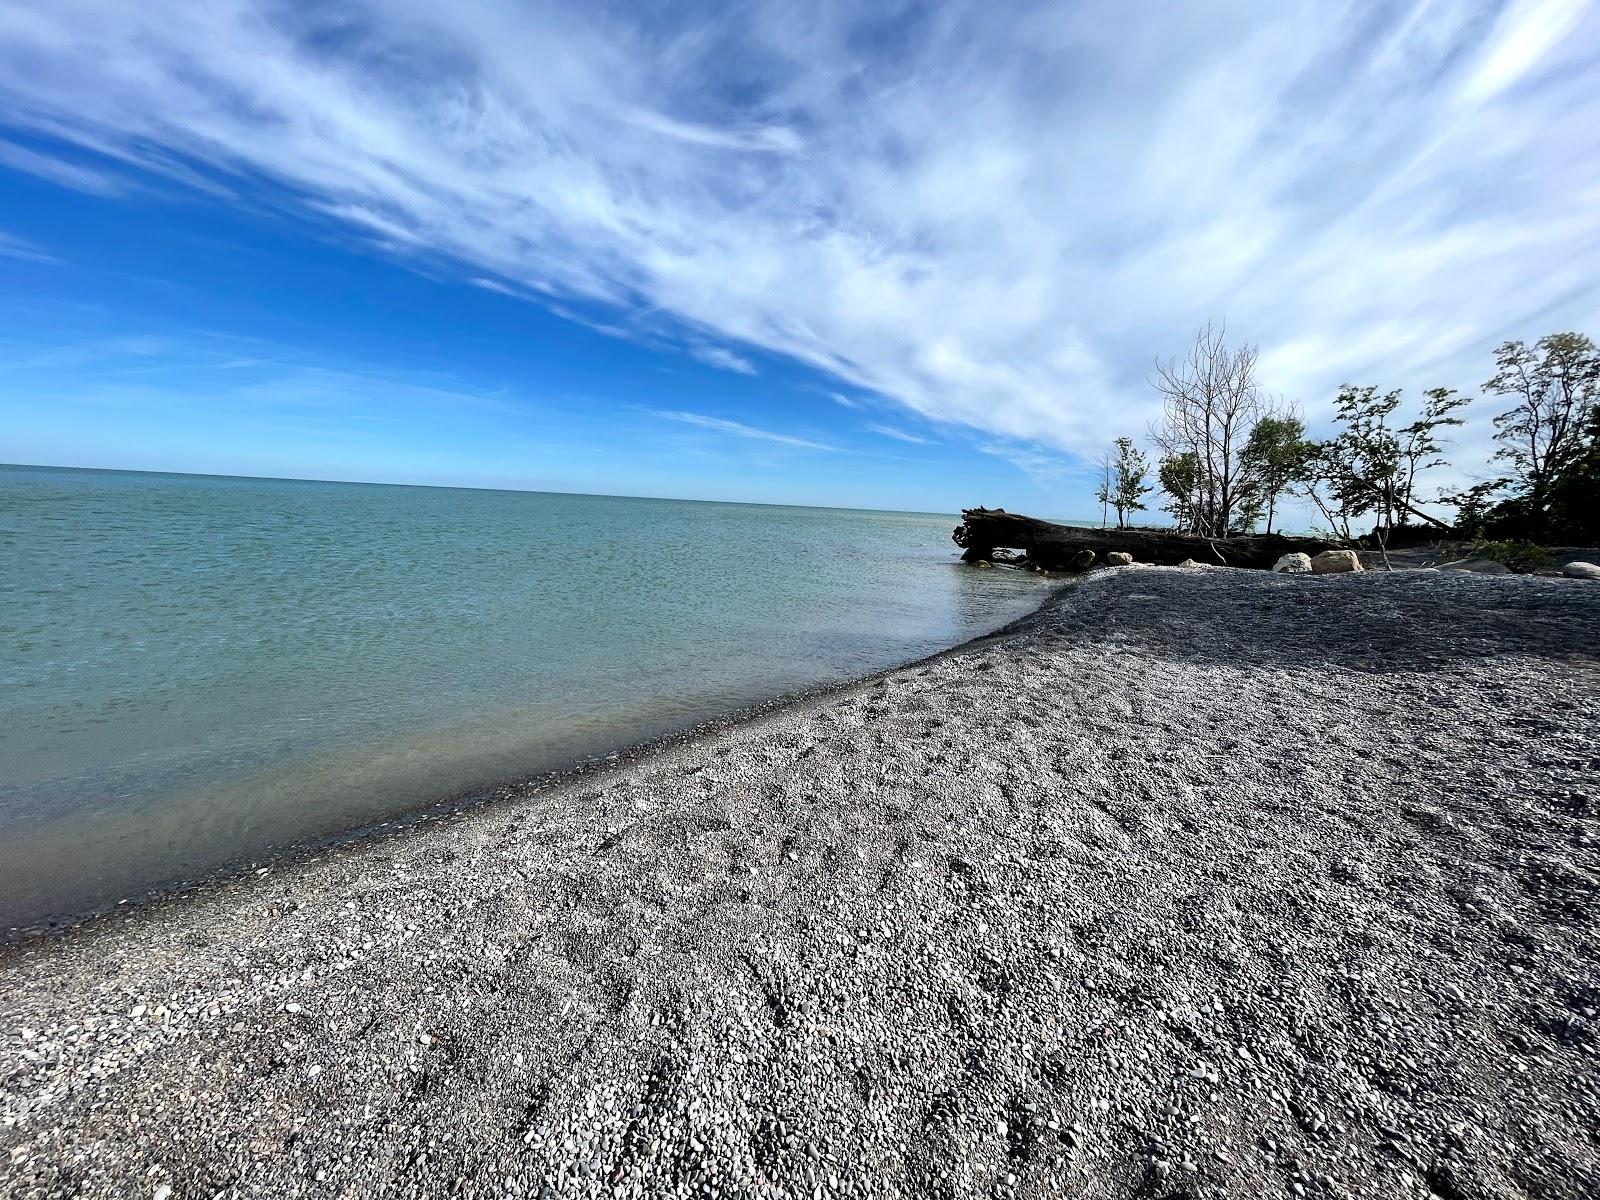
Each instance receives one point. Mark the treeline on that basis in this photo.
(1228, 454)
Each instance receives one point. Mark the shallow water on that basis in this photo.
(194, 669)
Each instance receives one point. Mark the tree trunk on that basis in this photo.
(1073, 547)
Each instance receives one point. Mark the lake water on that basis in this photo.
(196, 669)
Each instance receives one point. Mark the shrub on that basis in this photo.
(1522, 557)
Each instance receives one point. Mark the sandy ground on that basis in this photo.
(1204, 883)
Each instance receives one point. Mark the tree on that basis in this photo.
(1276, 455)
(1179, 475)
(1477, 510)
(1419, 445)
(1320, 488)
(1574, 493)
(1371, 466)
(1571, 503)
(1210, 402)
(1103, 492)
(1127, 481)
(1556, 386)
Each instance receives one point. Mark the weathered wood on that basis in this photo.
(1075, 548)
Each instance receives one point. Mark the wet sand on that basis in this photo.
(1199, 883)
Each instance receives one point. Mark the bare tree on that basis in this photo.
(1103, 494)
(1210, 403)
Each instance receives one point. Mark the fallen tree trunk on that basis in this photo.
(1075, 548)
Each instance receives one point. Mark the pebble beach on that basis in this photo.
(1196, 883)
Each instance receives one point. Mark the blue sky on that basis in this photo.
(917, 259)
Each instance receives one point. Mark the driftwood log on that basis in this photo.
(1076, 548)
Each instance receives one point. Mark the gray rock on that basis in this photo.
(1581, 570)
(1334, 562)
(1293, 564)
(1119, 558)
(1477, 566)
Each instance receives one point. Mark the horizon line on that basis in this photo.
(466, 487)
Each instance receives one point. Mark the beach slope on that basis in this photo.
(1200, 883)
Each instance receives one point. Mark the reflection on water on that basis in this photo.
(196, 669)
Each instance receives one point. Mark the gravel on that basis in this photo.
(1200, 883)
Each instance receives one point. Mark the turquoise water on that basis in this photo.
(196, 669)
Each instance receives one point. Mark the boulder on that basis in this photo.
(1189, 562)
(1477, 566)
(1293, 564)
(1119, 558)
(1333, 562)
(1581, 570)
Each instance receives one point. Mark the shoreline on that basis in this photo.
(1191, 881)
(475, 798)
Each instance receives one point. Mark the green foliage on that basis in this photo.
(1276, 456)
(1179, 475)
(1372, 467)
(1476, 507)
(1550, 439)
(1573, 507)
(1127, 485)
(1376, 463)
(1554, 385)
(1522, 557)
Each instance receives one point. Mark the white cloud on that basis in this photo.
(494, 285)
(889, 431)
(739, 429)
(71, 175)
(723, 359)
(12, 246)
(994, 223)
(1040, 465)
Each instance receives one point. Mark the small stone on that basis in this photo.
(1119, 558)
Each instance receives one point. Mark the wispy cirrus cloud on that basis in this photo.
(739, 429)
(1040, 465)
(56, 170)
(723, 359)
(12, 246)
(993, 223)
(899, 435)
(494, 285)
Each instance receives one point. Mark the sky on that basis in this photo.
(885, 255)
